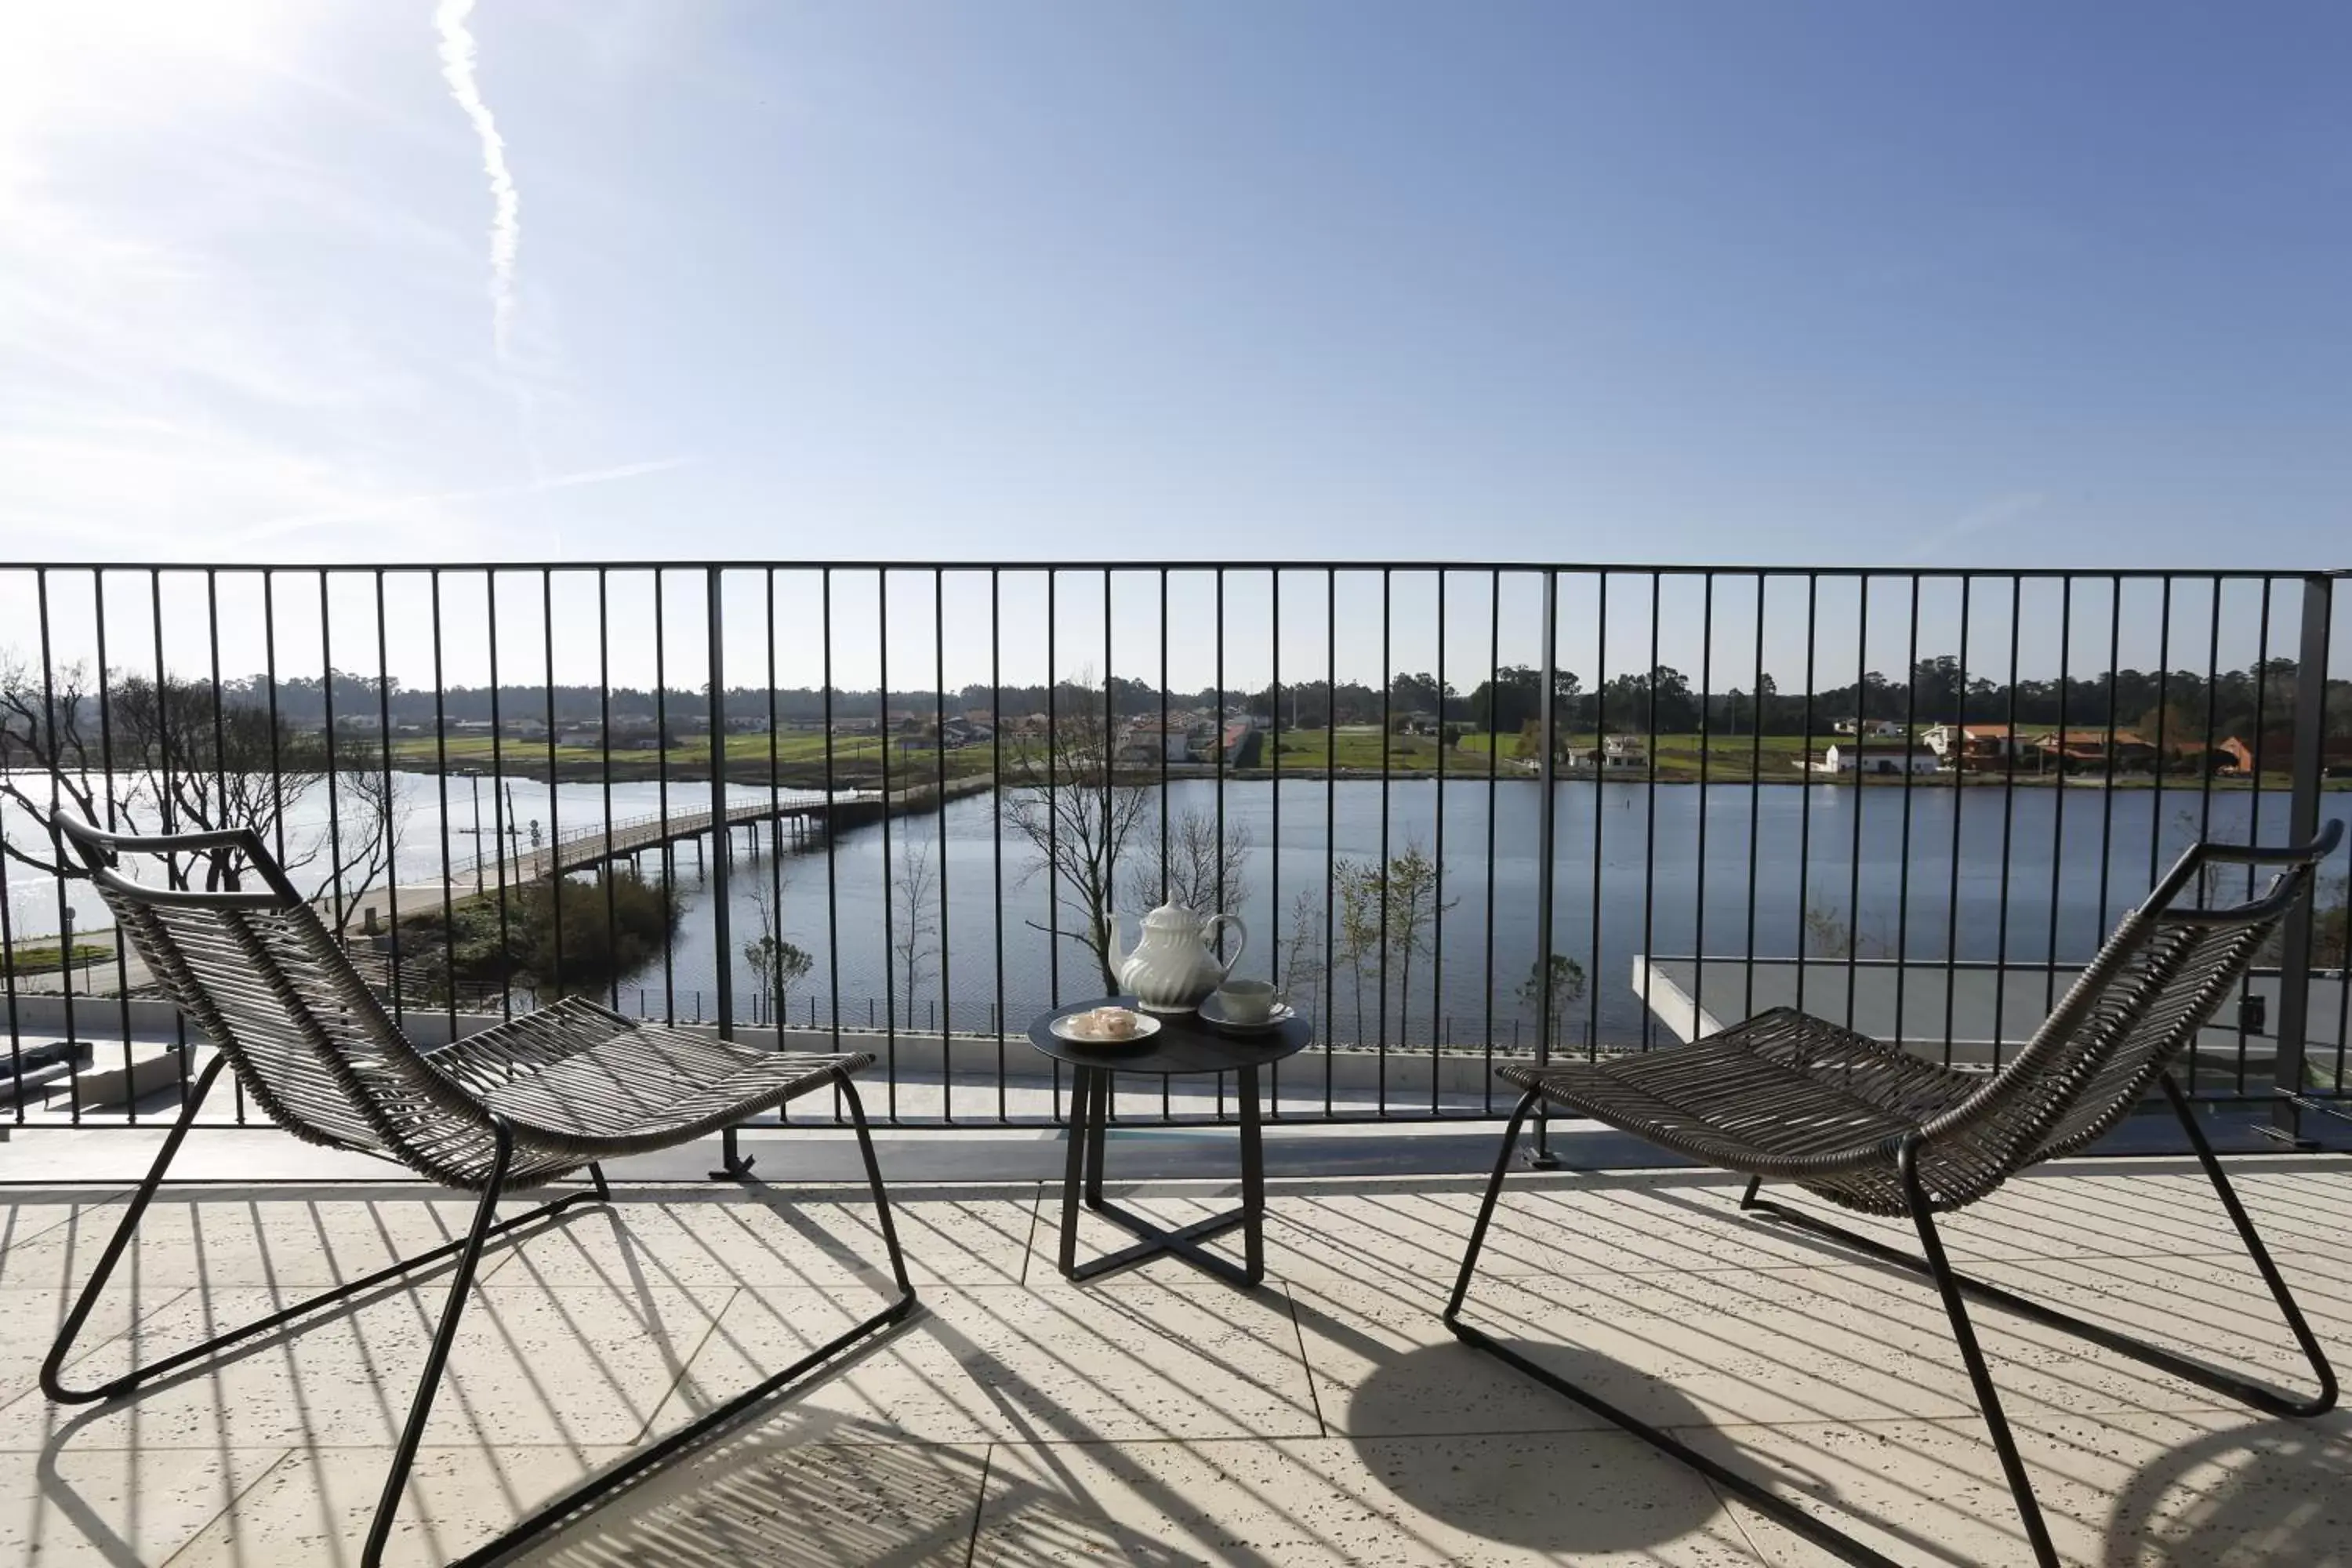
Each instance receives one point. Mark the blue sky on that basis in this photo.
(1995, 285)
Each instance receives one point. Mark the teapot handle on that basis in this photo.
(1208, 934)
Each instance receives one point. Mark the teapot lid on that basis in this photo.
(1171, 917)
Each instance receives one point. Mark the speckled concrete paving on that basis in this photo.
(1163, 1418)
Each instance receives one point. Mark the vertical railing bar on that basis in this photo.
(1902, 873)
(169, 796)
(1754, 795)
(1387, 742)
(668, 855)
(996, 803)
(1959, 801)
(1437, 937)
(106, 767)
(1053, 828)
(1705, 745)
(1330, 825)
(2164, 726)
(1111, 825)
(939, 755)
(1493, 774)
(1805, 809)
(1861, 789)
(553, 869)
(832, 826)
(2008, 821)
(1600, 799)
(882, 732)
(498, 825)
(334, 812)
(1278, 971)
(609, 869)
(1167, 1092)
(2107, 802)
(1547, 847)
(775, 832)
(2309, 732)
(56, 806)
(1217, 749)
(2212, 720)
(2254, 819)
(391, 815)
(441, 783)
(1649, 824)
(722, 840)
(2058, 806)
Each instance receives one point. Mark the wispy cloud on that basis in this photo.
(458, 55)
(279, 527)
(1998, 513)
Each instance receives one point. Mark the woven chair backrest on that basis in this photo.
(2159, 979)
(259, 973)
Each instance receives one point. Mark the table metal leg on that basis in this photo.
(1252, 1181)
(1098, 1137)
(1081, 1099)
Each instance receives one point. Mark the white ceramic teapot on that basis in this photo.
(1171, 968)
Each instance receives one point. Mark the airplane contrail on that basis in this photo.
(506, 217)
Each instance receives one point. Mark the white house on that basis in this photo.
(1877, 760)
(1616, 753)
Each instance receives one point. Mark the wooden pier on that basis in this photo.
(793, 817)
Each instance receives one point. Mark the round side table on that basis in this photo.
(1184, 1044)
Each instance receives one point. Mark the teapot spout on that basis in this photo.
(1116, 949)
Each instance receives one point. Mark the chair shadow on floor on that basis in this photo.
(818, 1490)
(2267, 1492)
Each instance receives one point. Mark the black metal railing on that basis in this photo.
(1467, 811)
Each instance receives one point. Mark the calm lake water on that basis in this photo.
(1641, 869)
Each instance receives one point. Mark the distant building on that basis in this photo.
(1873, 728)
(1616, 754)
(2235, 756)
(1148, 740)
(2096, 751)
(1867, 759)
(1974, 748)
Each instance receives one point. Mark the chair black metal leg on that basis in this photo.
(2270, 1401)
(2261, 1398)
(881, 1199)
(1956, 1307)
(1486, 1209)
(732, 1166)
(1764, 1499)
(436, 1360)
(715, 1421)
(53, 1383)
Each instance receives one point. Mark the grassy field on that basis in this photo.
(43, 958)
(857, 760)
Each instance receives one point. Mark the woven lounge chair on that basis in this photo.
(544, 1097)
(1788, 1097)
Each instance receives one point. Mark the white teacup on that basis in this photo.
(1247, 1001)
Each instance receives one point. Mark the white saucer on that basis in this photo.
(1211, 1014)
(1073, 1027)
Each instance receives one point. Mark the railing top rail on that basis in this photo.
(1598, 568)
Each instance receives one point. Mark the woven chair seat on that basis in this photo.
(582, 1081)
(1785, 1095)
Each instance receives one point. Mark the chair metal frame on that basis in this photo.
(508, 1138)
(1906, 1155)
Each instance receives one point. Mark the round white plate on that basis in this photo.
(1211, 1014)
(1073, 1027)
